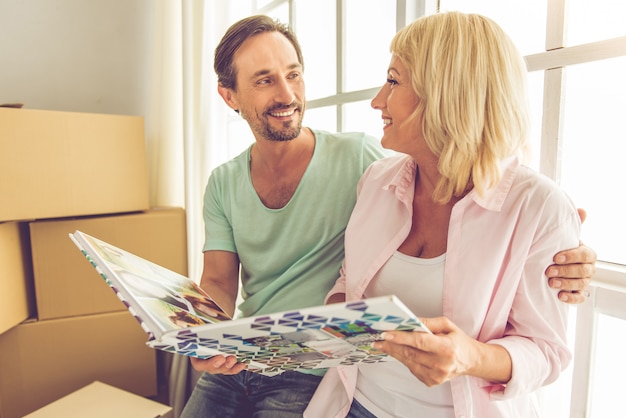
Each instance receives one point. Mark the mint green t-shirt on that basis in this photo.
(290, 257)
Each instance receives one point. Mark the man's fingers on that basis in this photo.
(569, 285)
(218, 365)
(582, 254)
(572, 272)
(575, 297)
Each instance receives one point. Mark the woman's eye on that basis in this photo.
(392, 82)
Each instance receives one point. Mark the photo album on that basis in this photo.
(179, 317)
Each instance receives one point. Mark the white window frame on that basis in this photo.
(609, 283)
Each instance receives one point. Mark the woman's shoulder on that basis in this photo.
(541, 194)
(392, 163)
(535, 182)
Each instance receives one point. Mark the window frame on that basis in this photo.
(608, 290)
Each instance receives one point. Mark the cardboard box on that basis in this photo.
(41, 361)
(99, 400)
(55, 164)
(67, 285)
(16, 280)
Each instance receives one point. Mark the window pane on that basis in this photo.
(535, 94)
(609, 364)
(593, 169)
(239, 136)
(281, 12)
(369, 27)
(323, 118)
(591, 21)
(523, 21)
(360, 117)
(262, 3)
(318, 46)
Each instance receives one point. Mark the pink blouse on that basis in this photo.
(495, 290)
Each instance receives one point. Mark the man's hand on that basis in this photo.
(572, 271)
(218, 365)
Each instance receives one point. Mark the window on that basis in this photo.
(593, 153)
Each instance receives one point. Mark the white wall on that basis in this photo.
(76, 55)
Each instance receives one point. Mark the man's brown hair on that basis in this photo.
(236, 35)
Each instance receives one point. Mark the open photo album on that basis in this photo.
(179, 317)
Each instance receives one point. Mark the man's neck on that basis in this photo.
(276, 168)
(271, 155)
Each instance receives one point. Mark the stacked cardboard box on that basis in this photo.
(58, 164)
(61, 327)
(99, 400)
(15, 274)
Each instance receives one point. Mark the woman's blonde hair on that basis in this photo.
(471, 81)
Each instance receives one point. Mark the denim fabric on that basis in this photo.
(251, 395)
(359, 411)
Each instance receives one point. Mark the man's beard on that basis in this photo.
(288, 132)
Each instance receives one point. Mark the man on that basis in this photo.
(278, 211)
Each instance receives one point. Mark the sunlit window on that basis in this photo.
(369, 28)
(360, 117)
(324, 118)
(523, 21)
(590, 21)
(606, 396)
(317, 34)
(593, 169)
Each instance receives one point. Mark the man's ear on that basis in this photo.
(229, 97)
(582, 213)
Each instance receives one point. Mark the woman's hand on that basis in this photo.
(445, 354)
(218, 365)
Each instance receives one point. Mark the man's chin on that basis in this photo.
(284, 135)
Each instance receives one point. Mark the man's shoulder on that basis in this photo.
(355, 137)
(347, 140)
(229, 173)
(236, 163)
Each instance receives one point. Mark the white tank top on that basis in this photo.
(418, 282)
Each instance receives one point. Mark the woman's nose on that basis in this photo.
(380, 100)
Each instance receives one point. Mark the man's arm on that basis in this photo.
(572, 271)
(220, 279)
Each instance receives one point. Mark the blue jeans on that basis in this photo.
(251, 395)
(359, 411)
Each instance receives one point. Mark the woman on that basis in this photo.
(460, 231)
